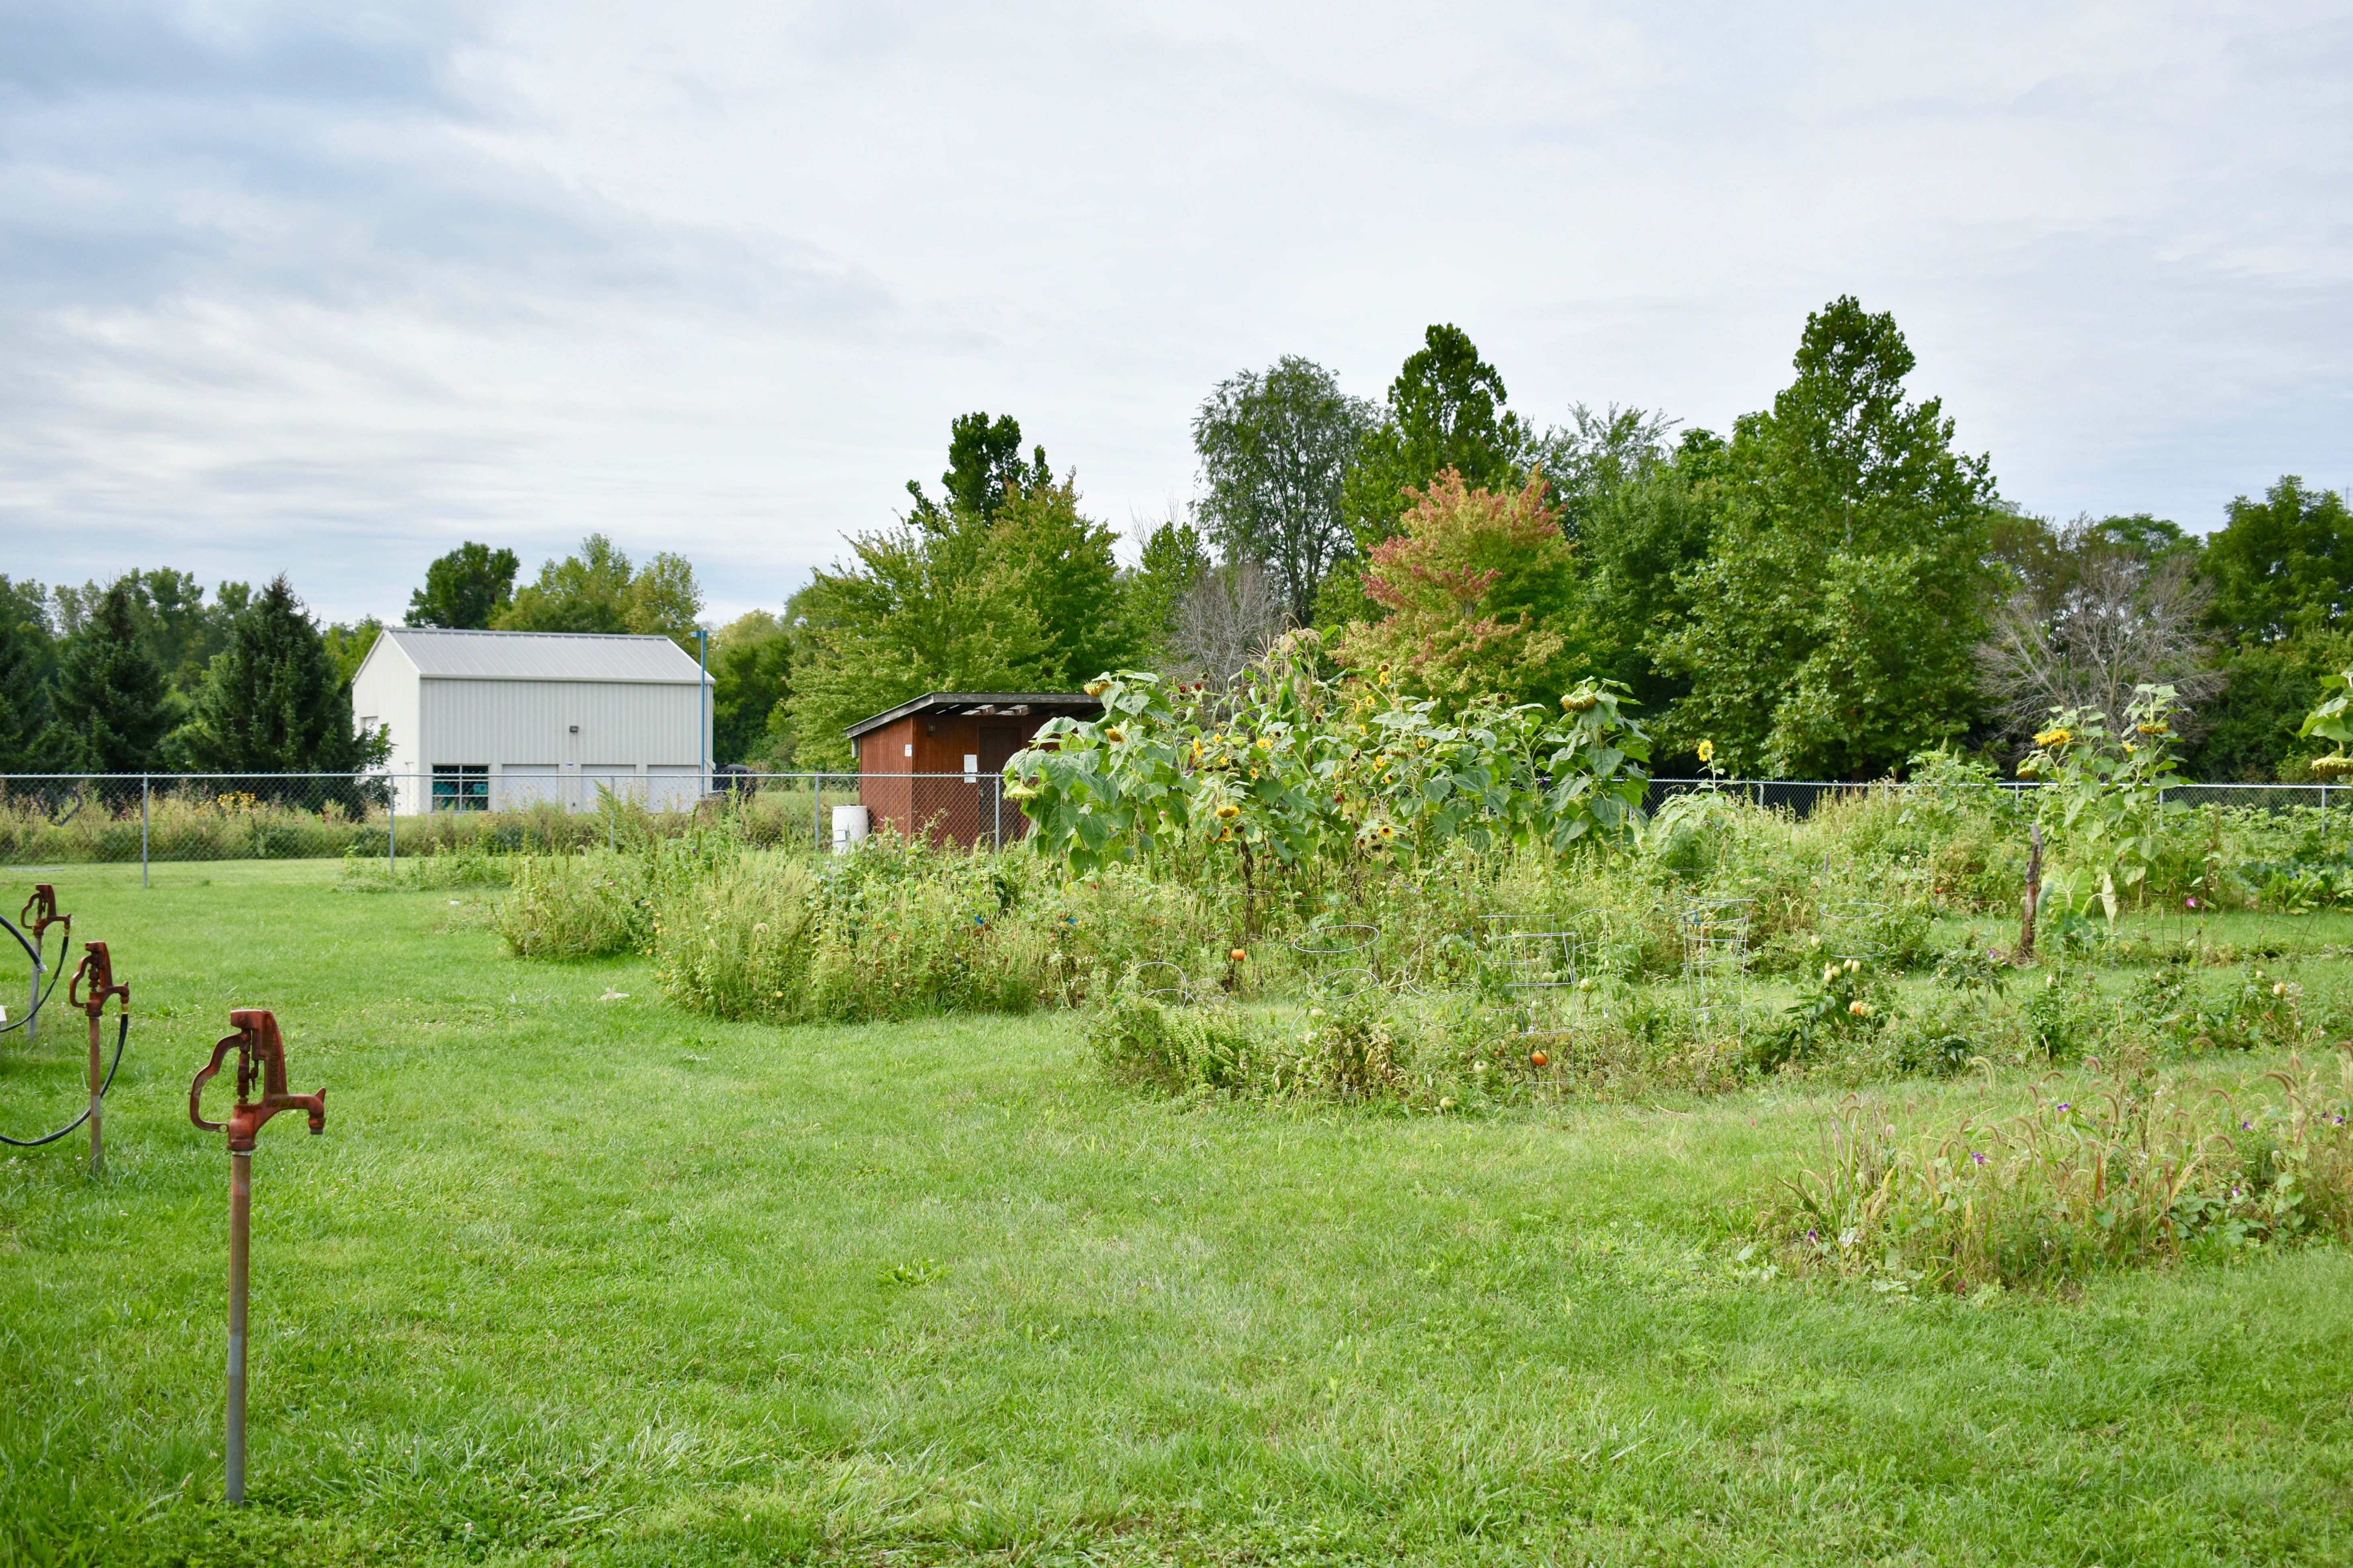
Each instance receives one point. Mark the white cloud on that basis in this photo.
(277, 292)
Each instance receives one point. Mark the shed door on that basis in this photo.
(999, 739)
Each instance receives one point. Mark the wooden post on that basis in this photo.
(2025, 953)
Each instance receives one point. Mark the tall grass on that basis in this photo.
(2100, 1173)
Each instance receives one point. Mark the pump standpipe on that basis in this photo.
(260, 1057)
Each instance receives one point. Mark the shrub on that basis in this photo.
(575, 906)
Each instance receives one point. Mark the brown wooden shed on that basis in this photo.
(947, 750)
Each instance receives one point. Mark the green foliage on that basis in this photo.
(576, 906)
(1028, 600)
(895, 931)
(180, 631)
(348, 645)
(1293, 769)
(1173, 560)
(1478, 593)
(2105, 805)
(750, 668)
(466, 589)
(2250, 731)
(1641, 519)
(1275, 450)
(1445, 411)
(2099, 1174)
(2282, 566)
(113, 706)
(984, 471)
(1850, 998)
(27, 657)
(1832, 625)
(2332, 720)
(600, 590)
(275, 702)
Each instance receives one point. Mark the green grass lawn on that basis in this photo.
(576, 1280)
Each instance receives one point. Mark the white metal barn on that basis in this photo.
(486, 721)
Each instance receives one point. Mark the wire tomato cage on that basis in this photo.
(1339, 961)
(1715, 938)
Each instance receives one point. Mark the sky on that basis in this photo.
(327, 289)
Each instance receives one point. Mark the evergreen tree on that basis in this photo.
(26, 659)
(112, 702)
(275, 702)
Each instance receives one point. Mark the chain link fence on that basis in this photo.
(144, 818)
(1801, 797)
(52, 819)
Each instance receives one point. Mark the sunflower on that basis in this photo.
(1706, 753)
(2056, 739)
(1229, 811)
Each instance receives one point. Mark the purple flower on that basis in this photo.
(1977, 1157)
(1813, 1235)
(2246, 1127)
(2064, 1108)
(2190, 903)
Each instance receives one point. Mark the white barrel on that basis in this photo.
(850, 823)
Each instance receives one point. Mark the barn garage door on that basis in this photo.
(673, 789)
(521, 784)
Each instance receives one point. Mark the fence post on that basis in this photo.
(817, 813)
(144, 792)
(391, 826)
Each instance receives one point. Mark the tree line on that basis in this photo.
(1826, 590)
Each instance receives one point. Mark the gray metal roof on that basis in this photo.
(1016, 704)
(441, 655)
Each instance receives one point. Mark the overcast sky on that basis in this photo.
(327, 288)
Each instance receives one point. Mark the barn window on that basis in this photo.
(461, 787)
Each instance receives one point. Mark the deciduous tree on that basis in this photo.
(1833, 624)
(2282, 565)
(465, 589)
(1477, 591)
(751, 659)
(1275, 446)
(1446, 410)
(598, 590)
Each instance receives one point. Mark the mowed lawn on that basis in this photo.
(577, 1280)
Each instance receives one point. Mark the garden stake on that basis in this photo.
(98, 970)
(259, 1054)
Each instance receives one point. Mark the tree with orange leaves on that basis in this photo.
(1479, 588)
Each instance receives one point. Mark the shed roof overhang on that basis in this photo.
(984, 705)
